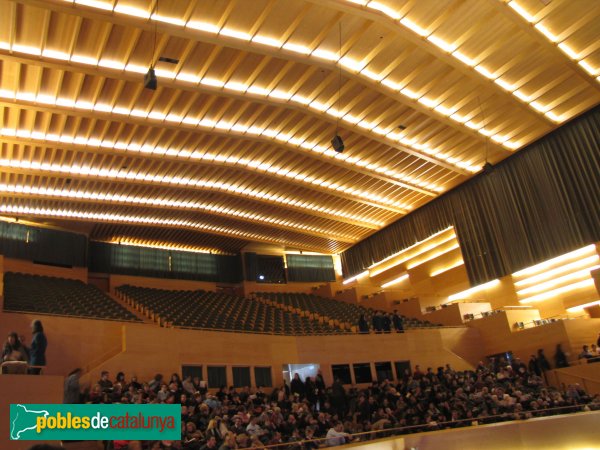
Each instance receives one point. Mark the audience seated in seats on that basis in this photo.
(430, 399)
(585, 353)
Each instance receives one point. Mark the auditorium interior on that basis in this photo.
(248, 190)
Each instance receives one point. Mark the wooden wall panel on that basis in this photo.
(22, 266)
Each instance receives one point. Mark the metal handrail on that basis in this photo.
(399, 430)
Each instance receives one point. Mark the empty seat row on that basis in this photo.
(218, 311)
(60, 296)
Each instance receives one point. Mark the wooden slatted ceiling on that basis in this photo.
(234, 146)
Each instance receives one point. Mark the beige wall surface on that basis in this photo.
(569, 432)
(71, 342)
(25, 389)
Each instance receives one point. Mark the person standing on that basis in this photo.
(37, 351)
(72, 391)
(363, 326)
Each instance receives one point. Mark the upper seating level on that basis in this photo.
(219, 311)
(333, 309)
(60, 296)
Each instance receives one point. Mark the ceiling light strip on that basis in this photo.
(134, 242)
(555, 40)
(158, 202)
(140, 220)
(113, 174)
(344, 62)
(452, 50)
(187, 154)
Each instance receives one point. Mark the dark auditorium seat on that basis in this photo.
(341, 312)
(219, 311)
(60, 296)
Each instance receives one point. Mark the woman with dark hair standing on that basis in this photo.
(37, 351)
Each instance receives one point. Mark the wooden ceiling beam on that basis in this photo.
(140, 121)
(423, 44)
(528, 28)
(108, 73)
(238, 44)
(331, 235)
(143, 183)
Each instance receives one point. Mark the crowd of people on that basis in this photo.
(15, 349)
(381, 322)
(307, 414)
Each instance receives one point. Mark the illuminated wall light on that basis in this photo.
(586, 262)
(581, 308)
(473, 290)
(411, 255)
(584, 251)
(542, 287)
(432, 256)
(398, 280)
(561, 290)
(447, 268)
(356, 277)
